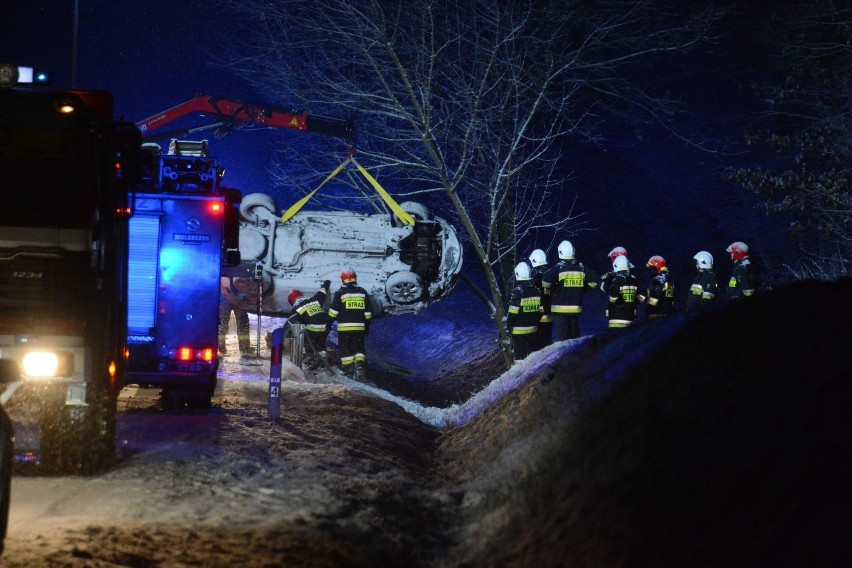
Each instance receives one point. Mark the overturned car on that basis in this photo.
(403, 267)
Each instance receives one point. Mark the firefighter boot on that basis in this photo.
(360, 371)
(312, 362)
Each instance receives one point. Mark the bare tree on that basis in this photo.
(468, 102)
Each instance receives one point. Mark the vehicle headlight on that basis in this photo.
(47, 364)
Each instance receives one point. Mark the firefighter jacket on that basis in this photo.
(538, 273)
(624, 298)
(352, 309)
(607, 278)
(741, 284)
(567, 281)
(310, 312)
(524, 309)
(660, 295)
(703, 290)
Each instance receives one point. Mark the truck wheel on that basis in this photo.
(172, 398)
(404, 287)
(201, 398)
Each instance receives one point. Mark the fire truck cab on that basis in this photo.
(65, 166)
(183, 228)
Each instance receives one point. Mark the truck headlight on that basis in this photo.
(47, 364)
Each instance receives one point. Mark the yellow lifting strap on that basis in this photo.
(299, 204)
(403, 215)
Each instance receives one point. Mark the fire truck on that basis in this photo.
(65, 170)
(184, 228)
(184, 233)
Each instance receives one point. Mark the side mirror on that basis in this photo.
(10, 371)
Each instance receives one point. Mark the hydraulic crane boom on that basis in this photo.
(236, 112)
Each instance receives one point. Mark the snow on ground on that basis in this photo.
(341, 479)
(705, 441)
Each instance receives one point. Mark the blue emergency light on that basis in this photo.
(11, 75)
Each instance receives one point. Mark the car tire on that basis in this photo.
(404, 287)
(253, 201)
(417, 210)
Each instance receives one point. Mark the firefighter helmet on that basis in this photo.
(616, 252)
(293, 296)
(620, 263)
(566, 250)
(705, 259)
(538, 258)
(348, 275)
(657, 263)
(522, 271)
(738, 250)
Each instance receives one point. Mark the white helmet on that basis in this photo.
(705, 259)
(522, 271)
(538, 258)
(566, 250)
(620, 263)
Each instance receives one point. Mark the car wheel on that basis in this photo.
(417, 210)
(404, 287)
(254, 201)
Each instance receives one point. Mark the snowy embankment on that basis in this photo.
(719, 440)
(459, 414)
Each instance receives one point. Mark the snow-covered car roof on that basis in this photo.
(403, 267)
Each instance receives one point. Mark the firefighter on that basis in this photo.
(741, 284)
(544, 335)
(660, 294)
(607, 277)
(352, 309)
(525, 312)
(311, 313)
(566, 282)
(702, 293)
(242, 319)
(623, 292)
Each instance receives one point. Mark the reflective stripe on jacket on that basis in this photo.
(525, 309)
(351, 307)
(567, 282)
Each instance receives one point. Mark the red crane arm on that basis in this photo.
(249, 114)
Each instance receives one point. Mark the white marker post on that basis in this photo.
(275, 373)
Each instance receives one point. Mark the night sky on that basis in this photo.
(644, 190)
(152, 55)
